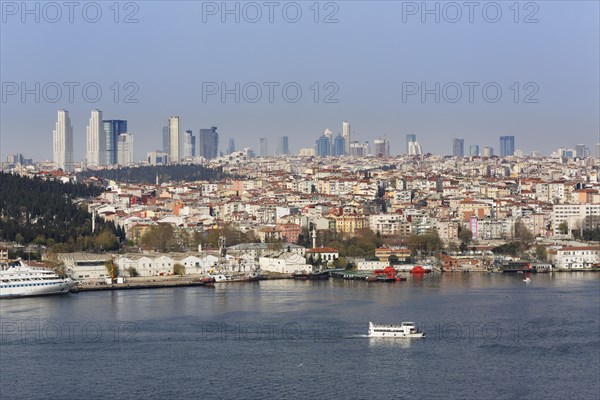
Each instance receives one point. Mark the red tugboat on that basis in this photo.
(388, 274)
(419, 270)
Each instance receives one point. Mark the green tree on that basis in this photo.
(541, 253)
(428, 243)
(106, 240)
(132, 272)
(160, 237)
(563, 228)
(112, 269)
(523, 237)
(178, 269)
(465, 235)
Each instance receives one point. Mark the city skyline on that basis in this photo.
(209, 144)
(422, 53)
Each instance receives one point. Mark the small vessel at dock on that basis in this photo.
(404, 330)
(312, 276)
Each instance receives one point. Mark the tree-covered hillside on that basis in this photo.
(34, 210)
(148, 174)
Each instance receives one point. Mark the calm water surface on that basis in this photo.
(489, 336)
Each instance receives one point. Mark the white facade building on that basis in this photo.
(285, 263)
(62, 142)
(96, 140)
(125, 149)
(573, 258)
(346, 135)
(577, 216)
(174, 139)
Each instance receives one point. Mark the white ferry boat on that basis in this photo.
(18, 280)
(404, 330)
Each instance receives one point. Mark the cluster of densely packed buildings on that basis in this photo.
(276, 198)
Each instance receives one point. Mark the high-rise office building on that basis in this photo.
(62, 142)
(488, 151)
(598, 151)
(339, 146)
(165, 139)
(189, 144)
(359, 149)
(283, 146)
(125, 149)
(96, 140)
(381, 147)
(474, 150)
(209, 143)
(157, 158)
(174, 140)
(458, 147)
(323, 146)
(263, 147)
(346, 135)
(410, 138)
(507, 146)
(112, 129)
(414, 148)
(231, 146)
(580, 150)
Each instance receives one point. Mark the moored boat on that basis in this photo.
(20, 280)
(303, 275)
(518, 267)
(252, 276)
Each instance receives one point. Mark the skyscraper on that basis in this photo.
(174, 140)
(339, 146)
(209, 143)
(96, 140)
(410, 138)
(474, 150)
(112, 129)
(346, 135)
(125, 149)
(231, 146)
(598, 151)
(488, 151)
(263, 146)
(323, 146)
(283, 146)
(189, 144)
(165, 139)
(580, 150)
(507, 146)
(359, 149)
(414, 148)
(381, 147)
(458, 147)
(62, 142)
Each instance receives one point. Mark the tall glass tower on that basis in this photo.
(507, 146)
(458, 147)
(209, 143)
(112, 129)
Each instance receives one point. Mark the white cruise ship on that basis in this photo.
(18, 280)
(404, 330)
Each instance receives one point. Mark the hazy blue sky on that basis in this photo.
(373, 49)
